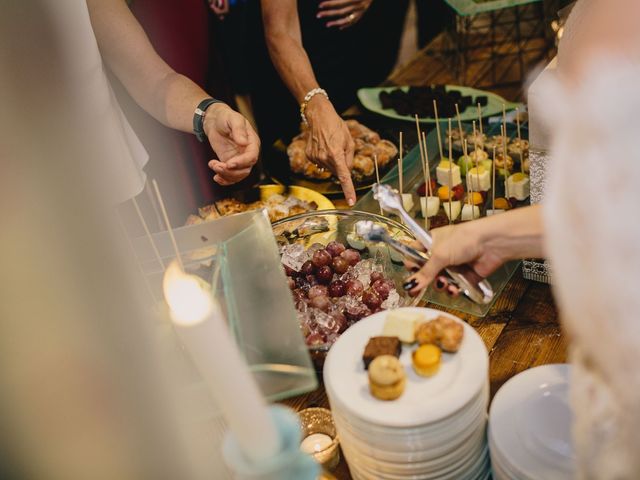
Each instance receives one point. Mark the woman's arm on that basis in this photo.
(484, 244)
(169, 97)
(330, 143)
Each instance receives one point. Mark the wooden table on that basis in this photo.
(521, 330)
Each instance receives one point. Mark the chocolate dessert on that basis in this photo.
(381, 346)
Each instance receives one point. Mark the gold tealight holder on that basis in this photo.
(319, 437)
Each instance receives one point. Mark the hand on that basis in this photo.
(456, 245)
(330, 143)
(234, 141)
(349, 12)
(219, 7)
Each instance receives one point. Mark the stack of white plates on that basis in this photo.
(435, 430)
(530, 426)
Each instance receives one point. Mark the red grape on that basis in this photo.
(354, 287)
(382, 288)
(307, 268)
(371, 299)
(321, 258)
(340, 265)
(320, 302)
(317, 291)
(311, 280)
(375, 276)
(357, 312)
(341, 322)
(337, 288)
(324, 274)
(315, 339)
(291, 282)
(288, 271)
(335, 248)
(351, 256)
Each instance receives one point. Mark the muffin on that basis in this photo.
(426, 360)
(386, 377)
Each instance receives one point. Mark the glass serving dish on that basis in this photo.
(302, 235)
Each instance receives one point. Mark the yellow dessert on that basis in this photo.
(387, 378)
(426, 360)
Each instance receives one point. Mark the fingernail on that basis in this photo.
(440, 284)
(351, 202)
(410, 285)
(453, 291)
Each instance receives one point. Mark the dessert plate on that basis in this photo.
(425, 400)
(530, 424)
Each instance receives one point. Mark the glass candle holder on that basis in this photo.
(319, 436)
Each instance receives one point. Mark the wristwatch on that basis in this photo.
(198, 117)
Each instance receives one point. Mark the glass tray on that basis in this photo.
(473, 7)
(413, 177)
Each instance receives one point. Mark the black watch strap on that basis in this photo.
(198, 117)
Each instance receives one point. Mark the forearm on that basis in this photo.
(168, 96)
(514, 235)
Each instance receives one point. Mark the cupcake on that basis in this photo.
(426, 360)
(386, 377)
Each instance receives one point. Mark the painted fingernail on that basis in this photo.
(410, 285)
(440, 284)
(453, 291)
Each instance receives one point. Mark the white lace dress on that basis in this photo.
(592, 215)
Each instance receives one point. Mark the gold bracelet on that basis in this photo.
(307, 99)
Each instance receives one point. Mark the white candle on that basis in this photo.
(201, 326)
(315, 442)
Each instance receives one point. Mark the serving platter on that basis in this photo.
(370, 99)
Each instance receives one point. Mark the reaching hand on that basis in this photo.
(330, 143)
(349, 12)
(234, 141)
(456, 245)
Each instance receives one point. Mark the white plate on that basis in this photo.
(425, 400)
(530, 424)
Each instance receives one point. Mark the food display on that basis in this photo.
(387, 378)
(426, 360)
(419, 101)
(378, 346)
(368, 147)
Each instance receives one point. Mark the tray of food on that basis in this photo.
(405, 102)
(279, 201)
(464, 184)
(289, 165)
(336, 277)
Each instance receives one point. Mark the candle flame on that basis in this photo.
(189, 302)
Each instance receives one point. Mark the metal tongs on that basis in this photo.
(464, 277)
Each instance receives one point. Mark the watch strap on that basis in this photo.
(198, 117)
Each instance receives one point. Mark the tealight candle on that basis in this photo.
(315, 442)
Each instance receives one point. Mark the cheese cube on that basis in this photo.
(478, 179)
(452, 209)
(429, 206)
(470, 212)
(402, 324)
(407, 201)
(518, 186)
(442, 174)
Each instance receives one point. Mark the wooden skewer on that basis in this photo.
(435, 111)
(493, 182)
(375, 162)
(504, 161)
(146, 230)
(450, 173)
(480, 119)
(520, 141)
(426, 159)
(459, 123)
(400, 179)
(465, 148)
(475, 140)
(168, 224)
(420, 149)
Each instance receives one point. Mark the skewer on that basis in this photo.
(480, 119)
(148, 233)
(426, 159)
(435, 111)
(400, 179)
(168, 224)
(475, 140)
(450, 173)
(424, 174)
(465, 147)
(493, 181)
(519, 141)
(459, 123)
(504, 161)
(375, 162)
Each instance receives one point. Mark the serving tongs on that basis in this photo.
(309, 227)
(373, 232)
(475, 287)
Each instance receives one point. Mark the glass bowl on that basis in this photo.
(314, 230)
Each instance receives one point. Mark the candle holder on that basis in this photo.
(289, 464)
(319, 436)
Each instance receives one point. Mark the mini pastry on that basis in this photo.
(446, 167)
(452, 210)
(469, 212)
(518, 148)
(479, 138)
(478, 156)
(426, 360)
(429, 206)
(500, 161)
(387, 378)
(518, 186)
(478, 180)
(381, 346)
(402, 324)
(443, 331)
